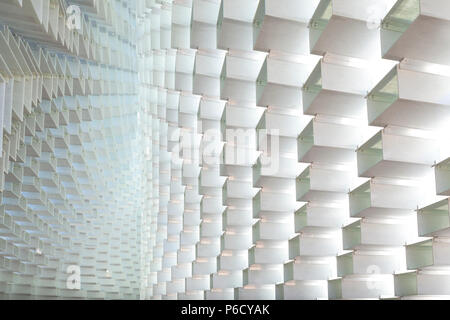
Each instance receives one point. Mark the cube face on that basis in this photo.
(288, 10)
(368, 231)
(257, 292)
(340, 30)
(406, 18)
(431, 283)
(234, 259)
(238, 238)
(270, 252)
(329, 245)
(234, 9)
(235, 35)
(305, 290)
(393, 261)
(220, 294)
(370, 287)
(264, 274)
(273, 227)
(273, 34)
(312, 268)
(227, 279)
(206, 11)
(442, 173)
(434, 219)
(320, 141)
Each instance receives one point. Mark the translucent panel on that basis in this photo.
(402, 15)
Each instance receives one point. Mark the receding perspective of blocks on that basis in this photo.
(225, 149)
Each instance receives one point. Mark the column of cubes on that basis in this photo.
(388, 155)
(167, 246)
(278, 30)
(175, 206)
(208, 67)
(327, 143)
(279, 90)
(240, 118)
(150, 246)
(167, 166)
(209, 184)
(427, 260)
(189, 109)
(335, 95)
(398, 160)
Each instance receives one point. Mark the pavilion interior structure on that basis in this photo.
(224, 149)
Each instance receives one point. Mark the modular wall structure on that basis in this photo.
(224, 149)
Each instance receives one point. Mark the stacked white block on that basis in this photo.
(389, 154)
(401, 181)
(281, 30)
(208, 67)
(239, 153)
(189, 146)
(210, 181)
(238, 83)
(327, 143)
(428, 260)
(337, 89)
(407, 21)
(348, 28)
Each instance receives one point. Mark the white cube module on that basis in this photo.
(406, 23)
(239, 74)
(434, 220)
(324, 183)
(430, 281)
(384, 197)
(281, 78)
(373, 286)
(348, 28)
(235, 25)
(413, 94)
(264, 274)
(303, 290)
(372, 259)
(367, 231)
(387, 154)
(442, 173)
(203, 26)
(339, 84)
(207, 72)
(319, 214)
(256, 292)
(276, 21)
(433, 252)
(329, 139)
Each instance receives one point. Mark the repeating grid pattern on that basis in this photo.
(355, 140)
(225, 149)
(71, 180)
